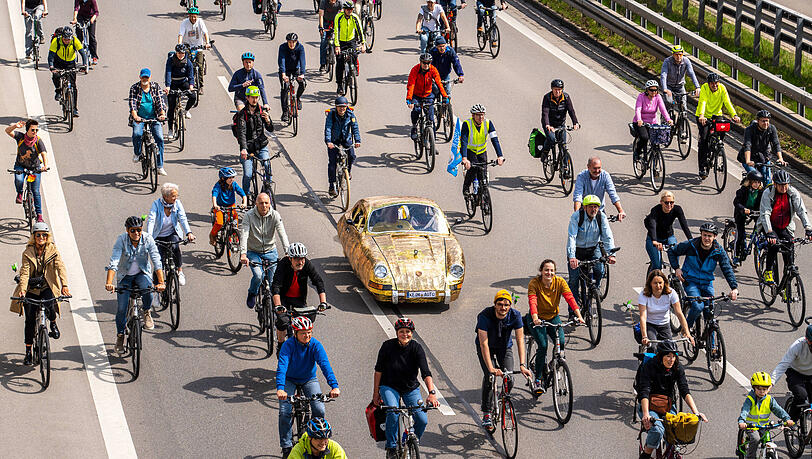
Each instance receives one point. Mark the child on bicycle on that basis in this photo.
(757, 408)
(224, 194)
(747, 200)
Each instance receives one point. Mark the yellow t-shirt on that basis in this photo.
(65, 52)
(547, 299)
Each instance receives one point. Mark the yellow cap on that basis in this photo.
(503, 295)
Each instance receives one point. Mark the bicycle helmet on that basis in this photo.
(667, 347)
(347, 4)
(713, 78)
(301, 323)
(557, 83)
(67, 32)
(761, 378)
(297, 250)
(180, 48)
(652, 84)
(292, 37)
(755, 176)
(709, 227)
(247, 55)
(319, 428)
(40, 227)
(477, 108)
(341, 101)
(193, 10)
(133, 222)
(781, 177)
(252, 91)
(677, 49)
(227, 172)
(809, 332)
(591, 200)
(763, 114)
(426, 58)
(503, 295)
(403, 322)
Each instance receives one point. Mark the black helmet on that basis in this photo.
(713, 78)
(781, 177)
(755, 176)
(666, 347)
(133, 222)
(67, 32)
(292, 37)
(557, 83)
(180, 48)
(763, 114)
(426, 57)
(709, 227)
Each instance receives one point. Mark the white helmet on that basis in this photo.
(478, 108)
(297, 250)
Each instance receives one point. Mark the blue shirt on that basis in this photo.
(444, 62)
(147, 108)
(226, 197)
(297, 363)
(125, 253)
(291, 61)
(499, 331)
(589, 233)
(701, 271)
(240, 77)
(604, 185)
(157, 216)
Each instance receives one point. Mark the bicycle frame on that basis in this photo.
(765, 441)
(406, 436)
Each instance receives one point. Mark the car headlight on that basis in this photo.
(456, 270)
(380, 271)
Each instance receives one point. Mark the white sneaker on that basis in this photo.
(161, 171)
(136, 158)
(149, 324)
(170, 133)
(188, 115)
(181, 278)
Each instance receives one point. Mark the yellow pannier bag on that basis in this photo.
(681, 428)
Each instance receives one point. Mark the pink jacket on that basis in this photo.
(646, 109)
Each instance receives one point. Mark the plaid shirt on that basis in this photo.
(154, 89)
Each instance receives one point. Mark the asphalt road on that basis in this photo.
(207, 390)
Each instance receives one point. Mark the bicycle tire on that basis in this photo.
(135, 347)
(656, 170)
(174, 302)
(684, 137)
(220, 243)
(431, 147)
(252, 195)
(369, 32)
(271, 190)
(232, 247)
(412, 448)
(562, 392)
(153, 168)
(270, 331)
(295, 120)
(793, 436)
(486, 207)
(331, 57)
(769, 292)
(418, 148)
(378, 9)
(495, 42)
(638, 162)
(605, 282)
(676, 326)
(596, 324)
(510, 429)
(565, 173)
(69, 109)
(795, 295)
(449, 121)
(29, 209)
(529, 355)
(181, 129)
(352, 90)
(470, 205)
(691, 351)
(729, 240)
(720, 168)
(272, 22)
(344, 190)
(316, 6)
(741, 441)
(548, 167)
(481, 40)
(716, 356)
(44, 357)
(758, 265)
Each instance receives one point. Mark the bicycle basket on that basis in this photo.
(721, 126)
(659, 134)
(680, 428)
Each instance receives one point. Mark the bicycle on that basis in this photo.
(798, 436)
(681, 129)
(38, 40)
(41, 349)
(790, 285)
(170, 297)
(664, 450)
(710, 339)
(343, 177)
(731, 233)
(368, 27)
(81, 30)
(502, 411)
(331, 57)
(265, 312)
(149, 155)
(767, 448)
(642, 355)
(559, 159)
(605, 276)
(444, 111)
(270, 19)
(228, 238)
(407, 445)
(673, 282)
(200, 68)
(67, 95)
(490, 33)
(590, 295)
(652, 159)
(135, 327)
(425, 144)
(350, 74)
(29, 209)
(179, 126)
(451, 35)
(293, 103)
(716, 152)
(558, 372)
(268, 185)
(480, 196)
(431, 37)
(301, 410)
(296, 311)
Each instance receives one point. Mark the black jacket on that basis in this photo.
(653, 378)
(251, 127)
(283, 277)
(760, 143)
(741, 199)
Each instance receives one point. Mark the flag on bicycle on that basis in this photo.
(456, 156)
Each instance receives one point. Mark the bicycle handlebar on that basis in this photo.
(706, 298)
(313, 398)
(170, 243)
(305, 309)
(45, 301)
(135, 290)
(263, 263)
(404, 409)
(197, 47)
(491, 8)
(27, 171)
(545, 323)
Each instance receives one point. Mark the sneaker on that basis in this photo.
(95, 61)
(333, 192)
(149, 324)
(322, 68)
(29, 356)
(298, 103)
(76, 113)
(170, 133)
(391, 453)
(538, 387)
(263, 18)
(413, 134)
(251, 301)
(54, 331)
(28, 57)
(486, 421)
(286, 452)
(200, 91)
(228, 2)
(183, 3)
(736, 261)
(216, 2)
(181, 278)
(161, 171)
(136, 158)
(56, 95)
(340, 90)
(768, 277)
(349, 174)
(120, 343)
(285, 117)
(212, 239)
(39, 218)
(480, 29)
(188, 115)
(19, 198)
(278, 6)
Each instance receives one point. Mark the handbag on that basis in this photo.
(659, 403)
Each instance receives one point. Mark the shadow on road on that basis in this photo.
(244, 386)
(128, 182)
(13, 231)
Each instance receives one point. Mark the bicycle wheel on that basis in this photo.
(273, 22)
(352, 89)
(35, 55)
(596, 323)
(795, 299)
(548, 166)
(295, 118)
(565, 173)
(454, 39)
(676, 326)
(758, 263)
(223, 4)
(729, 240)
(481, 40)
(135, 347)
(181, 130)
(369, 32)
(495, 41)
(768, 291)
(69, 104)
(510, 428)
(378, 7)
(741, 445)
(431, 147)
(529, 355)
(656, 170)
(691, 351)
(232, 246)
(487, 210)
(344, 190)
(44, 357)
(270, 331)
(316, 6)
(605, 282)
(562, 392)
(470, 205)
(153, 168)
(30, 210)
(174, 302)
(412, 448)
(638, 162)
(331, 63)
(793, 436)
(418, 149)
(716, 356)
(220, 244)
(684, 137)
(720, 169)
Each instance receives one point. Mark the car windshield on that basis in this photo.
(407, 217)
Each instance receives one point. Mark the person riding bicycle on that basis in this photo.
(702, 255)
(672, 76)
(224, 196)
(299, 357)
(395, 378)
(659, 224)
(129, 266)
(31, 155)
(449, 5)
(316, 443)
(42, 277)
(340, 128)
(761, 145)
(167, 222)
(597, 182)
(756, 409)
(291, 65)
(180, 75)
(245, 77)
(289, 288)
(444, 58)
(428, 22)
(193, 33)
(474, 136)
(713, 97)
(493, 338)
(346, 36)
(778, 203)
(480, 16)
(747, 201)
(145, 102)
(797, 364)
(33, 10)
(555, 105)
(655, 304)
(648, 104)
(328, 10)
(257, 230)
(587, 227)
(543, 295)
(252, 122)
(86, 12)
(655, 381)
(422, 79)
(62, 56)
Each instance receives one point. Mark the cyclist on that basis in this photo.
(480, 17)
(760, 144)
(192, 33)
(756, 409)
(444, 58)
(42, 277)
(252, 122)
(672, 76)
(224, 195)
(129, 266)
(340, 128)
(298, 359)
(655, 381)
(428, 22)
(597, 182)
(543, 295)
(747, 200)
(167, 222)
(778, 203)
(587, 227)
(474, 136)
(33, 10)
(146, 103)
(655, 303)
(702, 255)
(245, 77)
(257, 230)
(713, 98)
(797, 364)
(448, 5)
(291, 65)
(62, 56)
(31, 155)
(347, 34)
(422, 77)
(395, 378)
(289, 288)
(659, 224)
(87, 11)
(493, 327)
(555, 106)
(648, 104)
(328, 10)
(316, 443)
(180, 74)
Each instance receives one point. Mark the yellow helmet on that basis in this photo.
(403, 213)
(761, 378)
(591, 200)
(503, 295)
(677, 49)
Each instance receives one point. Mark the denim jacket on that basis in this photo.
(588, 234)
(156, 217)
(124, 253)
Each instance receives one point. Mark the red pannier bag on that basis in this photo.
(376, 419)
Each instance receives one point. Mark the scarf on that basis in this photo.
(30, 142)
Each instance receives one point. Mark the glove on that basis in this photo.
(772, 235)
(322, 306)
(447, 100)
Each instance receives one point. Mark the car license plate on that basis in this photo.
(422, 294)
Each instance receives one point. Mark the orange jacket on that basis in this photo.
(420, 83)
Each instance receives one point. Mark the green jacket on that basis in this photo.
(302, 450)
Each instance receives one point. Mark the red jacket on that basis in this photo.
(420, 83)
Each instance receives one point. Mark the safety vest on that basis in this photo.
(759, 414)
(477, 140)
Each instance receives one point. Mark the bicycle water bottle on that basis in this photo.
(476, 186)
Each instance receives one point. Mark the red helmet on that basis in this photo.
(404, 323)
(301, 323)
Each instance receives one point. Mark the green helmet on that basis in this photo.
(677, 49)
(252, 91)
(590, 200)
(193, 10)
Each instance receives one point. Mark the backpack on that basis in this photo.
(646, 357)
(36, 144)
(600, 220)
(536, 142)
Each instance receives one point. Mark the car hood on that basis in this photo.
(417, 262)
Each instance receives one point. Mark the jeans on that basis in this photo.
(801, 386)
(248, 168)
(286, 409)
(140, 281)
(540, 335)
(505, 359)
(657, 431)
(283, 92)
(29, 27)
(191, 98)
(573, 281)
(32, 310)
(325, 43)
(157, 134)
(765, 171)
(654, 255)
(256, 271)
(424, 38)
(696, 307)
(417, 108)
(391, 397)
(332, 160)
(19, 183)
(91, 36)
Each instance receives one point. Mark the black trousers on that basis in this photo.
(175, 250)
(642, 139)
(741, 220)
(475, 171)
(801, 386)
(704, 133)
(91, 36)
(343, 45)
(173, 99)
(283, 93)
(72, 77)
(31, 311)
(505, 359)
(772, 252)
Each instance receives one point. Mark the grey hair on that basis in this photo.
(167, 189)
(591, 160)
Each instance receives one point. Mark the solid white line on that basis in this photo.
(113, 424)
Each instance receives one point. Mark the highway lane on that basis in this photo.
(209, 377)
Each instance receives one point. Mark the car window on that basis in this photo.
(407, 217)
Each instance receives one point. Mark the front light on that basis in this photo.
(456, 271)
(380, 271)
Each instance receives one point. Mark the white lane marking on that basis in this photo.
(113, 423)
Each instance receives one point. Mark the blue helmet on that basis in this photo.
(248, 55)
(227, 172)
(809, 332)
(319, 428)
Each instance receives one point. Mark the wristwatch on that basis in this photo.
(522, 365)
(432, 392)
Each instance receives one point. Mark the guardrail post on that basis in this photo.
(668, 6)
(779, 23)
(801, 109)
(757, 29)
(737, 33)
(700, 23)
(799, 41)
(734, 71)
(628, 14)
(719, 18)
(685, 9)
(643, 22)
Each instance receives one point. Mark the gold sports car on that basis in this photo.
(402, 249)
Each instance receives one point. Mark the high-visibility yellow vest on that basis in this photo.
(759, 414)
(477, 139)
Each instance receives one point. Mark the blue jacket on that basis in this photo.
(588, 234)
(124, 253)
(290, 59)
(443, 62)
(178, 71)
(604, 185)
(341, 130)
(703, 274)
(297, 363)
(240, 77)
(156, 217)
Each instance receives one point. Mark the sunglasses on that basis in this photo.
(43, 235)
(134, 230)
(668, 203)
(34, 129)
(653, 89)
